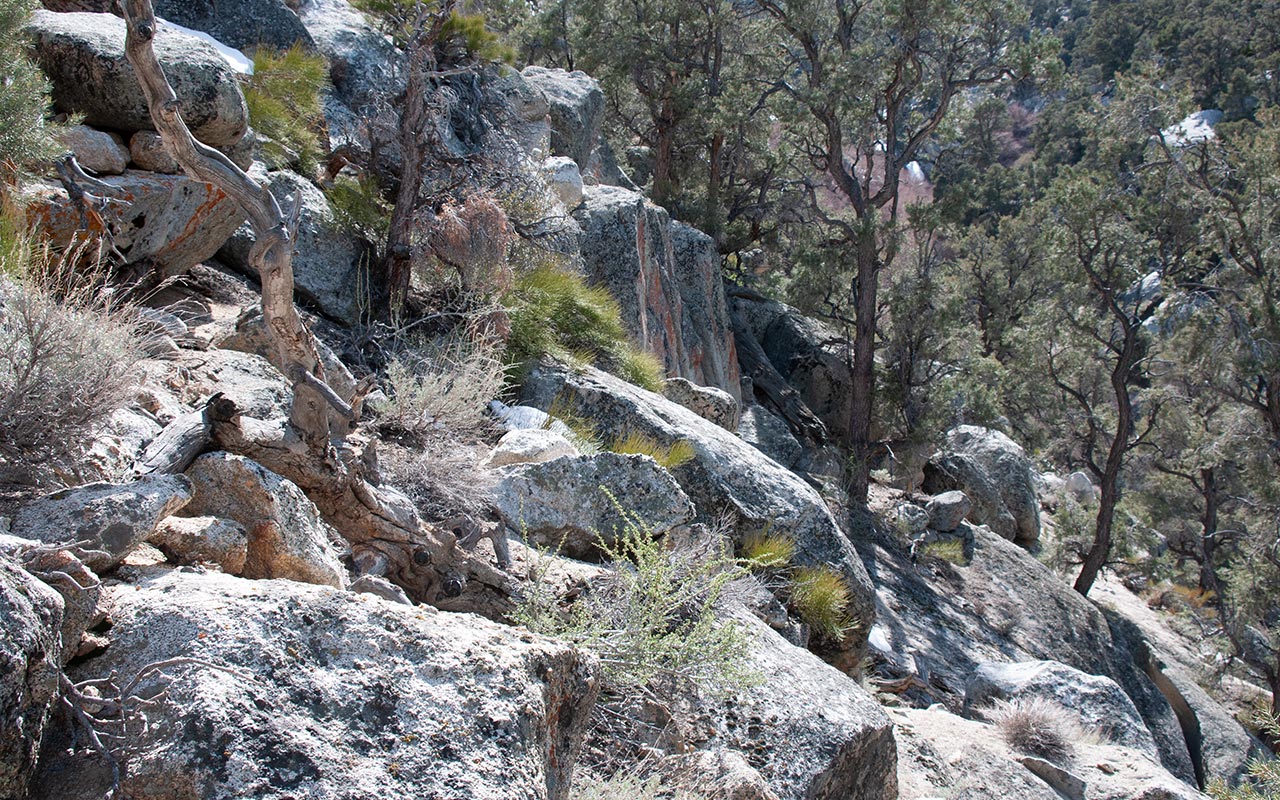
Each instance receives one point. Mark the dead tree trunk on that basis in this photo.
(313, 448)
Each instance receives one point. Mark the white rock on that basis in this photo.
(529, 446)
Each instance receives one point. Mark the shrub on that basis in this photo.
(359, 207)
(820, 597)
(668, 456)
(652, 621)
(24, 95)
(441, 387)
(283, 97)
(65, 359)
(442, 478)
(554, 311)
(625, 787)
(1262, 782)
(948, 550)
(766, 550)
(1038, 727)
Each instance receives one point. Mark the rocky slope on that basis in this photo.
(208, 634)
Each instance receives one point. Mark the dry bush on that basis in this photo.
(442, 479)
(66, 353)
(440, 388)
(1038, 727)
(471, 238)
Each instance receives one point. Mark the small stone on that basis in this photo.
(148, 152)
(947, 510)
(96, 150)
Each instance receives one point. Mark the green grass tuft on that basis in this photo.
(948, 550)
(820, 597)
(669, 456)
(765, 550)
(640, 367)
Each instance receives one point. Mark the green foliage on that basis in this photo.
(765, 550)
(653, 620)
(359, 207)
(554, 311)
(470, 31)
(820, 597)
(283, 97)
(948, 550)
(668, 456)
(24, 96)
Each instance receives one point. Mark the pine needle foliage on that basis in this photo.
(24, 96)
(652, 621)
(283, 97)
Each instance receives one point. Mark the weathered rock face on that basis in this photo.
(713, 405)
(286, 537)
(667, 279)
(241, 24)
(947, 510)
(83, 55)
(1013, 609)
(326, 259)
(531, 127)
(30, 662)
(529, 446)
(769, 434)
(940, 754)
(95, 150)
(563, 503)
(203, 540)
(1099, 701)
(812, 732)
(170, 221)
(335, 695)
(576, 106)
(995, 472)
(725, 473)
(363, 63)
(146, 150)
(564, 179)
(115, 518)
(810, 356)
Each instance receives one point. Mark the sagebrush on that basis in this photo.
(440, 387)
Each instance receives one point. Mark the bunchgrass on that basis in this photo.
(820, 598)
(1038, 727)
(765, 550)
(668, 456)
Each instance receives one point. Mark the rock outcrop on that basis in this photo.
(666, 278)
(725, 473)
(576, 106)
(996, 474)
(306, 691)
(113, 518)
(30, 663)
(286, 537)
(83, 56)
(242, 24)
(576, 503)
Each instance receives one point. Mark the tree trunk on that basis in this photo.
(311, 448)
(1209, 533)
(863, 377)
(1109, 481)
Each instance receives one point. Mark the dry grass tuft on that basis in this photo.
(668, 456)
(440, 388)
(1039, 727)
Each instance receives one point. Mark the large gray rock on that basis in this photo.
(708, 402)
(168, 222)
(113, 517)
(934, 627)
(574, 503)
(576, 106)
(83, 55)
(327, 260)
(997, 475)
(30, 662)
(96, 150)
(333, 695)
(942, 755)
(364, 64)
(768, 433)
(726, 474)
(203, 540)
(286, 537)
(1099, 701)
(809, 355)
(666, 278)
(530, 126)
(242, 24)
(146, 149)
(947, 510)
(811, 731)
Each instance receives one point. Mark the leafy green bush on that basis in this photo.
(652, 621)
(283, 97)
(554, 311)
(24, 95)
(668, 456)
